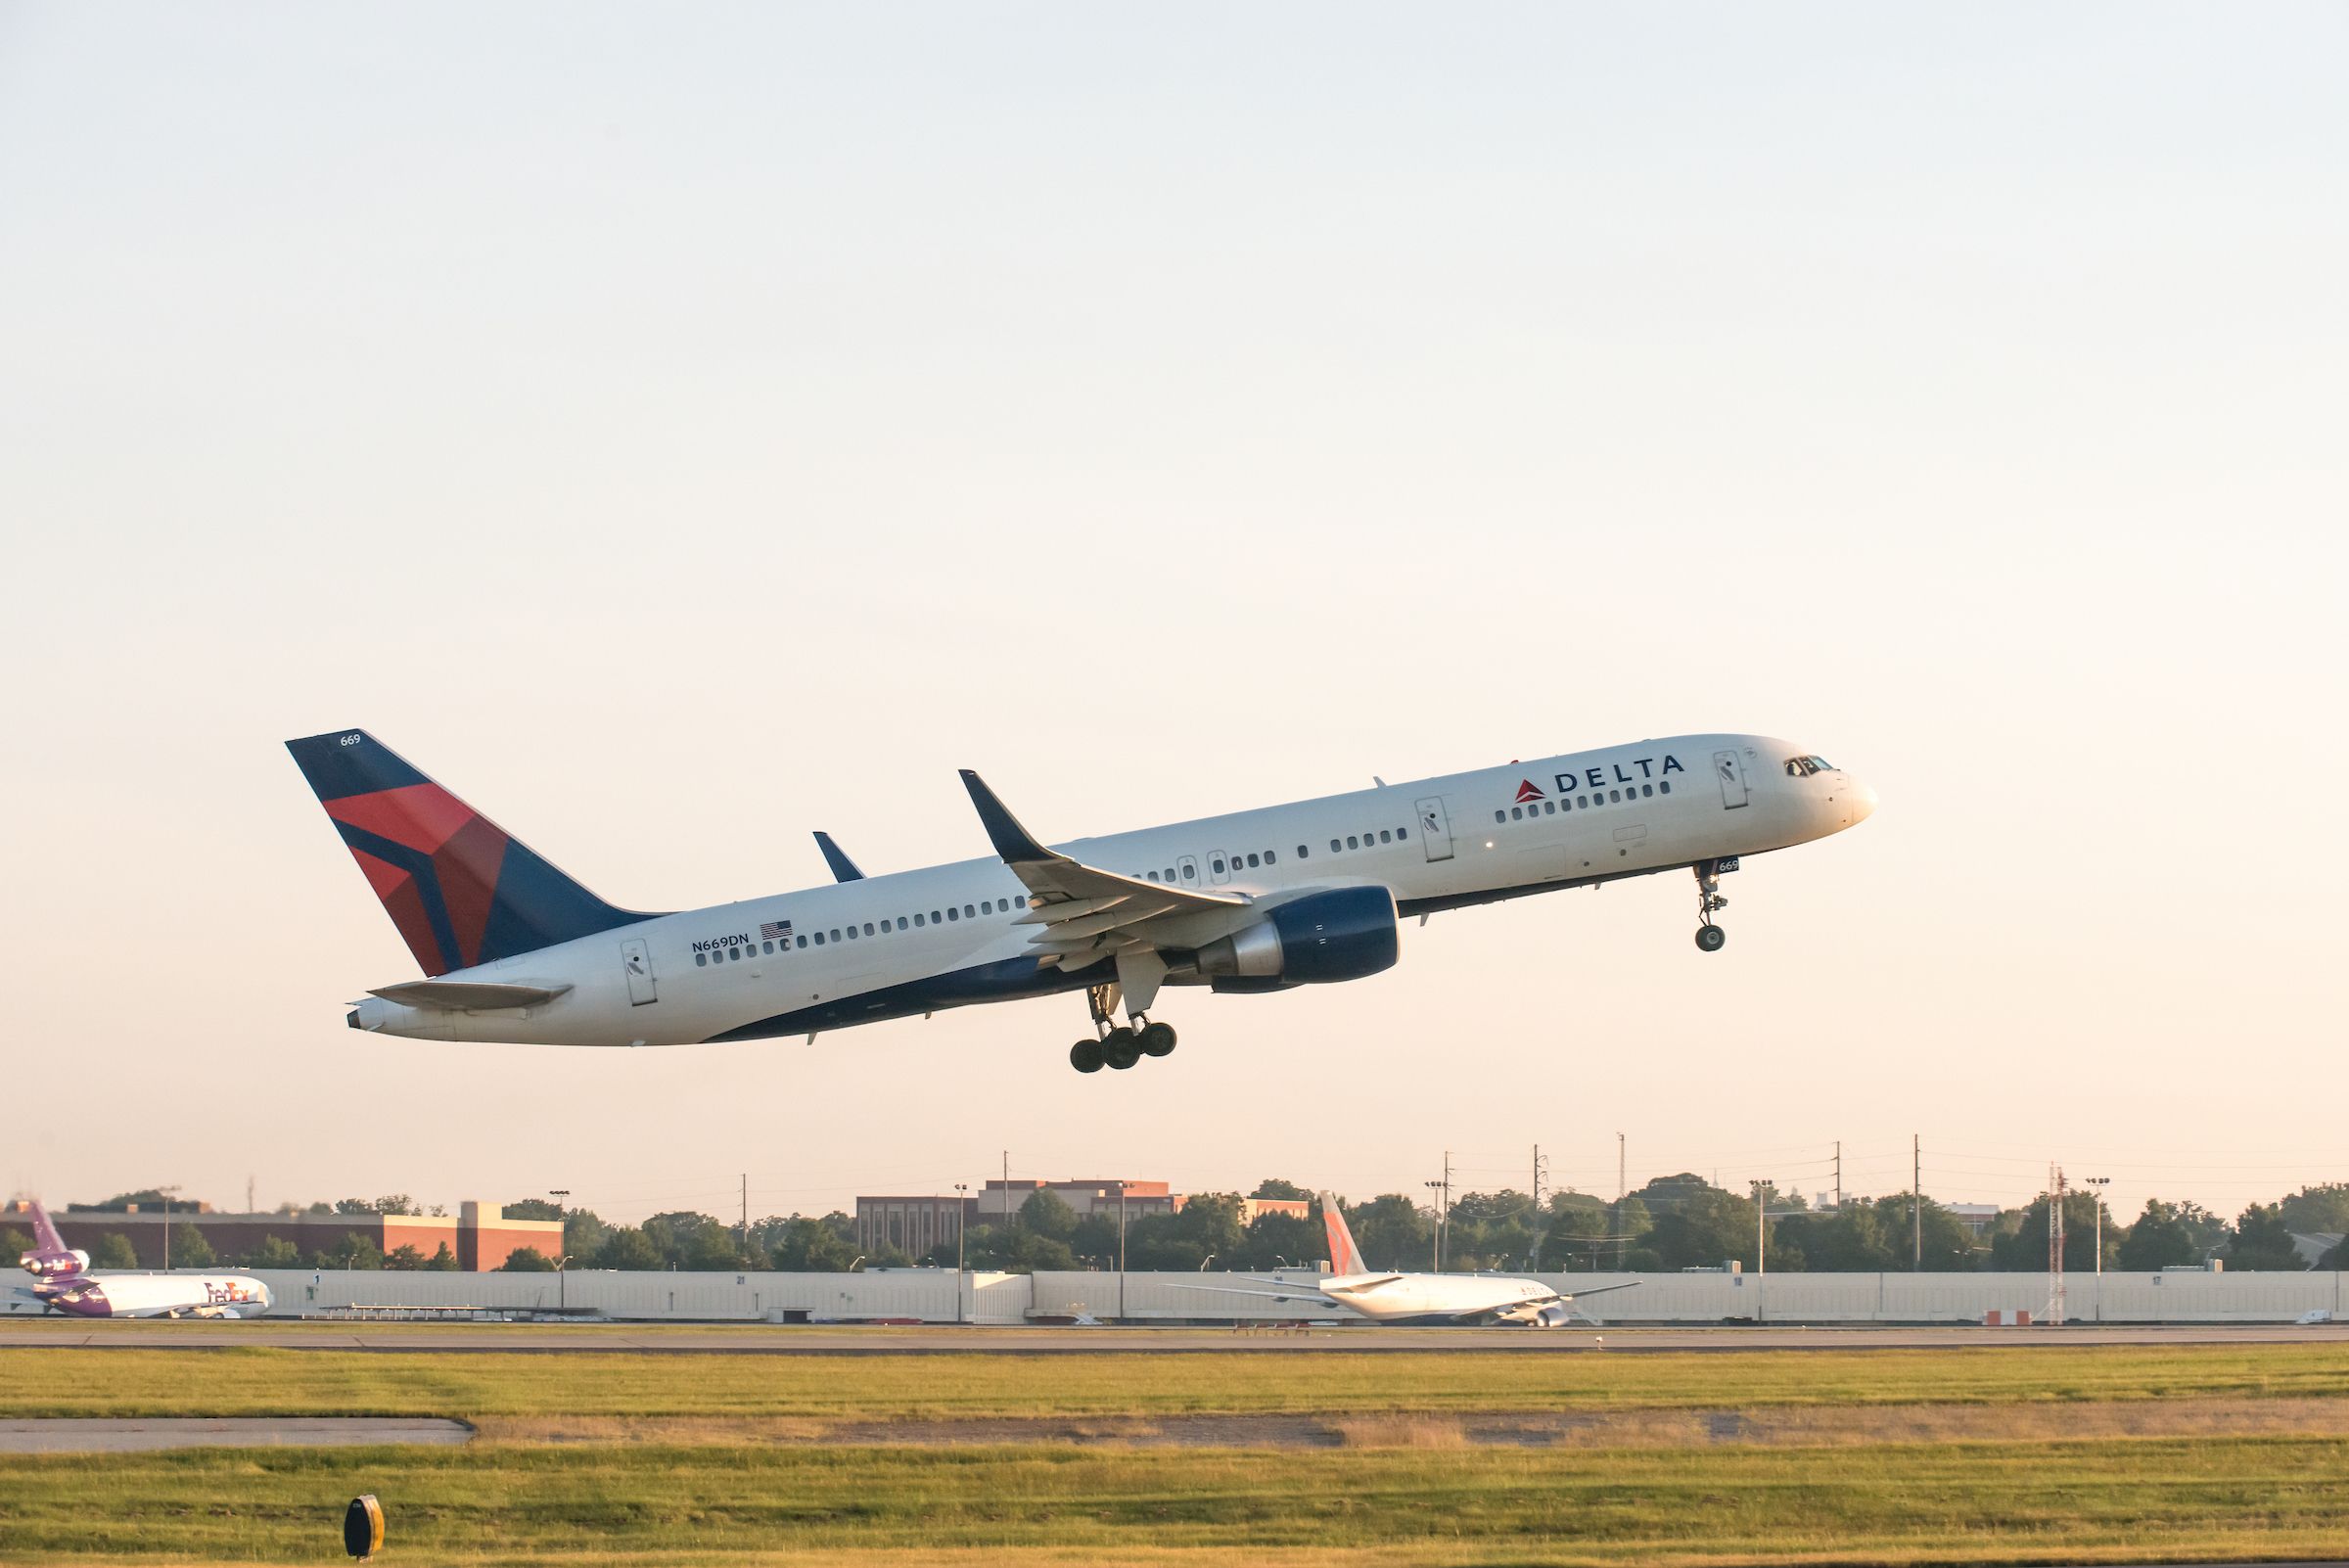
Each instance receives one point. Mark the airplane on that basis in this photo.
(64, 1284)
(1301, 894)
(1406, 1297)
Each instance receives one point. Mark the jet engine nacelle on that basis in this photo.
(53, 1264)
(1557, 1315)
(1343, 934)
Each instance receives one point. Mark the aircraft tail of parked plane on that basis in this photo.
(63, 1282)
(462, 891)
(1344, 1257)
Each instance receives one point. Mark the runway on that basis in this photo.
(946, 1340)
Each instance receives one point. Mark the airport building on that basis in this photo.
(478, 1236)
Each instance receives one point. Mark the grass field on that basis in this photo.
(2063, 1469)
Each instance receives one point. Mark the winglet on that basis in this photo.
(1014, 843)
(844, 869)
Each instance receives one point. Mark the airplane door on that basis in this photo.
(1731, 774)
(1218, 866)
(1435, 829)
(640, 964)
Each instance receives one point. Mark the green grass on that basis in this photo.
(511, 1505)
(735, 1498)
(261, 1381)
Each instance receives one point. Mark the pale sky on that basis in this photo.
(677, 429)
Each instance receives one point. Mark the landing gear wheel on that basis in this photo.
(1157, 1038)
(1086, 1056)
(1119, 1049)
(1711, 938)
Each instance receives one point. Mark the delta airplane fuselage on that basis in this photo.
(1253, 900)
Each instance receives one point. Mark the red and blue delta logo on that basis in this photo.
(1528, 790)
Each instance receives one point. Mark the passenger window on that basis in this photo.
(734, 954)
(699, 958)
(1648, 789)
(1335, 845)
(1019, 901)
(919, 920)
(836, 934)
(935, 917)
(1615, 795)
(1352, 842)
(801, 940)
(1550, 808)
(1501, 816)
(1218, 866)
(953, 913)
(1516, 813)
(1272, 856)
(769, 946)
(1666, 786)
(968, 913)
(1255, 859)
(986, 906)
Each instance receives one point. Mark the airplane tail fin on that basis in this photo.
(461, 890)
(44, 1230)
(1344, 1257)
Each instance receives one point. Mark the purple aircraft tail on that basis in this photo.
(50, 1258)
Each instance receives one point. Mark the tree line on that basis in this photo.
(1672, 1222)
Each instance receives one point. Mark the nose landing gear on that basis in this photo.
(1119, 1047)
(1710, 937)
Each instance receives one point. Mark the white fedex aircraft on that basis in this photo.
(63, 1282)
(1257, 900)
(1407, 1297)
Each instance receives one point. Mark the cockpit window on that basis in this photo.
(1805, 767)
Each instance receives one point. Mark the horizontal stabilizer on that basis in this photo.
(467, 996)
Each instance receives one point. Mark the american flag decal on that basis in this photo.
(775, 930)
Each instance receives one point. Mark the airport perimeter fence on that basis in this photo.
(932, 1295)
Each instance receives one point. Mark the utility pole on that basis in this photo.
(2056, 1189)
(961, 1213)
(1120, 1247)
(1620, 1190)
(746, 1215)
(1442, 1191)
(2099, 1184)
(1839, 1175)
(1532, 1262)
(1917, 1201)
(248, 1194)
(1761, 1233)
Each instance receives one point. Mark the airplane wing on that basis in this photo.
(1600, 1290)
(466, 995)
(844, 869)
(1084, 912)
(1300, 1294)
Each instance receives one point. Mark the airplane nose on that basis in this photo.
(1861, 800)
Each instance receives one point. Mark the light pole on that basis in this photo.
(1120, 1249)
(2099, 1184)
(165, 1194)
(1204, 1261)
(961, 1214)
(563, 1283)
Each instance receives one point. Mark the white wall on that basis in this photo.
(930, 1295)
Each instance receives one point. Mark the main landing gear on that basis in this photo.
(1710, 937)
(1118, 1046)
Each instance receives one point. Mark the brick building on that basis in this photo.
(478, 1236)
